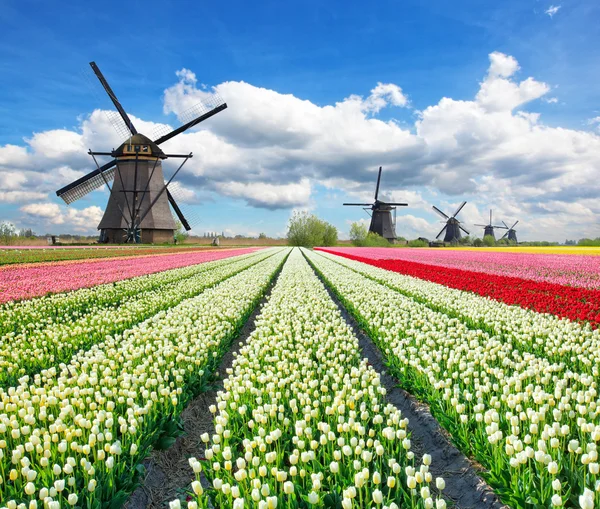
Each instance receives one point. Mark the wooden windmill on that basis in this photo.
(140, 202)
(381, 214)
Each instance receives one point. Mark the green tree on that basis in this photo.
(262, 235)
(358, 234)
(308, 230)
(375, 240)
(330, 236)
(478, 242)
(8, 233)
(489, 241)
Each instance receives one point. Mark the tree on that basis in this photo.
(8, 233)
(180, 233)
(478, 242)
(262, 235)
(489, 241)
(26, 233)
(308, 230)
(330, 236)
(358, 233)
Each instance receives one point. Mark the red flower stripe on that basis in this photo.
(564, 301)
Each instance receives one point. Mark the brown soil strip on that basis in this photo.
(168, 473)
(465, 489)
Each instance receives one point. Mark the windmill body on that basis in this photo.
(138, 170)
(511, 234)
(140, 202)
(381, 214)
(489, 229)
(452, 227)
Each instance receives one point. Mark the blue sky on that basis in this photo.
(321, 52)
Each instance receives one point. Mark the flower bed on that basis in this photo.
(532, 420)
(26, 282)
(563, 301)
(73, 435)
(303, 421)
(566, 270)
(32, 349)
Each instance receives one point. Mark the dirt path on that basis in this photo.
(168, 473)
(464, 486)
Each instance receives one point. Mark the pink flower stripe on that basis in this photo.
(18, 283)
(566, 270)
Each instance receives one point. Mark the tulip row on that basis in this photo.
(35, 314)
(533, 422)
(303, 420)
(31, 351)
(541, 334)
(18, 283)
(578, 304)
(580, 271)
(74, 436)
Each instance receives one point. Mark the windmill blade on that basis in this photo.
(513, 225)
(464, 230)
(490, 217)
(194, 116)
(177, 210)
(482, 225)
(113, 98)
(500, 227)
(459, 209)
(378, 181)
(395, 204)
(440, 212)
(503, 236)
(442, 231)
(90, 182)
(176, 194)
(357, 204)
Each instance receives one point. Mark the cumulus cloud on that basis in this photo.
(269, 149)
(80, 220)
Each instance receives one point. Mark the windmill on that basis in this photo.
(511, 233)
(138, 205)
(452, 226)
(381, 214)
(488, 229)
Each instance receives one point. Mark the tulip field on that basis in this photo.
(100, 358)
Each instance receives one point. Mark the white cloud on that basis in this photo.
(80, 220)
(270, 149)
(552, 10)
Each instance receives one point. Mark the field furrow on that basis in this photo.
(532, 422)
(74, 435)
(303, 419)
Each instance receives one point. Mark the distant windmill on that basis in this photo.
(138, 206)
(488, 229)
(452, 226)
(511, 233)
(381, 214)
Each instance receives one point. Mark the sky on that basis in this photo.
(495, 103)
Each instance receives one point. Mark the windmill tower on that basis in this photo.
(511, 233)
(138, 208)
(488, 229)
(381, 214)
(452, 226)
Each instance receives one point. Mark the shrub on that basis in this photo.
(417, 243)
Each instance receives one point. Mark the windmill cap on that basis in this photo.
(141, 145)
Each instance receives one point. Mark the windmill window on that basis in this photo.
(145, 149)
